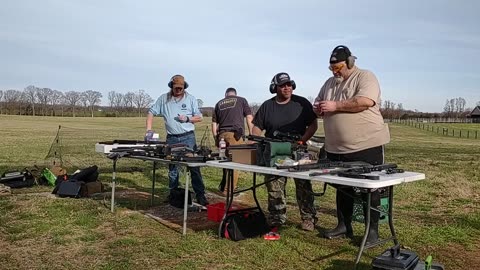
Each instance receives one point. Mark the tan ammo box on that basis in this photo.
(244, 156)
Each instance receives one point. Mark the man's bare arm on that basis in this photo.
(256, 131)
(311, 129)
(149, 121)
(214, 129)
(249, 123)
(355, 104)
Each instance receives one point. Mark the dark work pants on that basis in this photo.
(344, 200)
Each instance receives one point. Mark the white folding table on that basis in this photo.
(385, 181)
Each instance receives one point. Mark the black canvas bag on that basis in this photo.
(89, 174)
(177, 197)
(17, 179)
(245, 224)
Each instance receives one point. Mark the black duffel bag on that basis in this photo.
(177, 197)
(244, 224)
(17, 179)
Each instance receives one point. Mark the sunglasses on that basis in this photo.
(285, 84)
(178, 88)
(336, 69)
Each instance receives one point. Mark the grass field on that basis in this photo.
(459, 130)
(439, 216)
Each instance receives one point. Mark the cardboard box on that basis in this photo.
(244, 156)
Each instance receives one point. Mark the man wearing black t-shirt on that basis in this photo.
(293, 114)
(228, 123)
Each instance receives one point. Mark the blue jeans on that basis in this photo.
(197, 181)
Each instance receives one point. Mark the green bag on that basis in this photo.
(49, 176)
(268, 153)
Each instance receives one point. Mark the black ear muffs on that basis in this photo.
(350, 59)
(170, 83)
(273, 85)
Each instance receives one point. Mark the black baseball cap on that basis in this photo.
(282, 78)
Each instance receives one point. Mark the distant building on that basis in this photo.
(475, 115)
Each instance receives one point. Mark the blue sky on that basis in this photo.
(423, 52)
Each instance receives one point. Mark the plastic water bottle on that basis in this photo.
(222, 147)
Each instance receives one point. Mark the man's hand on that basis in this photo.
(327, 106)
(316, 107)
(182, 118)
(149, 135)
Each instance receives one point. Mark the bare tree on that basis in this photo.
(72, 98)
(111, 98)
(55, 99)
(254, 107)
(142, 100)
(62, 102)
(448, 109)
(1, 103)
(31, 96)
(84, 103)
(199, 103)
(43, 95)
(93, 99)
(118, 103)
(460, 105)
(128, 101)
(12, 98)
(115, 101)
(388, 109)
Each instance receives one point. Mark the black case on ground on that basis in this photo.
(71, 189)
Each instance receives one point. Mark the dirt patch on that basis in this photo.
(172, 217)
(457, 256)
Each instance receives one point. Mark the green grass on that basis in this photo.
(438, 216)
(459, 130)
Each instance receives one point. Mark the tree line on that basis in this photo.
(39, 101)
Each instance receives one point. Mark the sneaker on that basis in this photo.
(202, 200)
(308, 225)
(272, 235)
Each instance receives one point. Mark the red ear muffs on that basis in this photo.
(170, 83)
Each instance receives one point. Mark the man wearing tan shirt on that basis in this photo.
(349, 103)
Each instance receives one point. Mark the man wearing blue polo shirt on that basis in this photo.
(180, 111)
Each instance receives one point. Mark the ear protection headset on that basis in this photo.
(350, 59)
(170, 83)
(274, 83)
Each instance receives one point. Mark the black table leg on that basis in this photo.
(390, 215)
(367, 228)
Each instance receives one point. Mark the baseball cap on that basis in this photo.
(178, 81)
(231, 89)
(339, 54)
(282, 78)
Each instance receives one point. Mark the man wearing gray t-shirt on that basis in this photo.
(349, 103)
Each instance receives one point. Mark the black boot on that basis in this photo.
(342, 230)
(344, 217)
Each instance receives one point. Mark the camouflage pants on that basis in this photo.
(277, 203)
